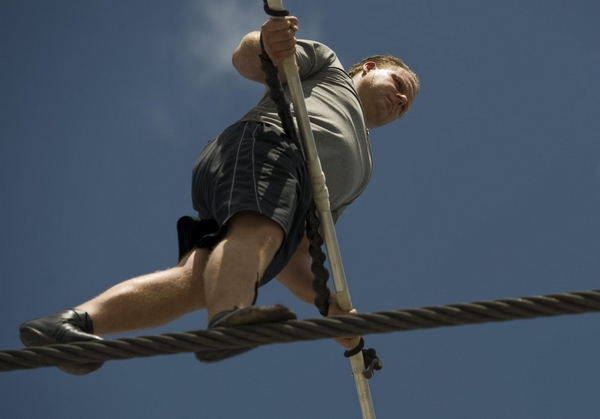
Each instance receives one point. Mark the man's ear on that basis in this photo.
(368, 66)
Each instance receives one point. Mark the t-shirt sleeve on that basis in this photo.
(314, 57)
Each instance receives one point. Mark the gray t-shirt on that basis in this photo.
(337, 122)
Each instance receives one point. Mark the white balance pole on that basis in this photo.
(321, 198)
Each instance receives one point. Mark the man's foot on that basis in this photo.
(63, 327)
(240, 316)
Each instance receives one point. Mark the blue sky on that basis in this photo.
(488, 188)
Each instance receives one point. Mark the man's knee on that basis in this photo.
(192, 259)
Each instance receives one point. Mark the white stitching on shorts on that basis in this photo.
(254, 170)
(234, 171)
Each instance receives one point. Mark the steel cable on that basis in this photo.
(303, 330)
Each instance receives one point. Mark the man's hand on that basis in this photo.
(298, 278)
(349, 342)
(279, 37)
(279, 41)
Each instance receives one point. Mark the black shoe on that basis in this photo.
(240, 316)
(63, 327)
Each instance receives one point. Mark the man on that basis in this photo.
(252, 193)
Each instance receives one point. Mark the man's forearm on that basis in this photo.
(297, 275)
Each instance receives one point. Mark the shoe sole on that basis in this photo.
(245, 316)
(256, 315)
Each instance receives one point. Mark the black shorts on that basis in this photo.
(252, 167)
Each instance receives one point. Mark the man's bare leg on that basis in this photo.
(238, 262)
(150, 300)
(219, 280)
(139, 303)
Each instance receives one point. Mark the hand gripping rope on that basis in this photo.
(321, 207)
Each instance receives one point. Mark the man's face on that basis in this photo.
(385, 94)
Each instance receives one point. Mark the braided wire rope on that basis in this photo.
(303, 330)
(318, 259)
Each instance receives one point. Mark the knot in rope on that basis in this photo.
(372, 361)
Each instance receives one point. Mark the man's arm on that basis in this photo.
(279, 42)
(298, 278)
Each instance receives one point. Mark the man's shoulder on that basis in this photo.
(314, 56)
(315, 47)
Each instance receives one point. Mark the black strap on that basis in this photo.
(351, 352)
(372, 362)
(275, 13)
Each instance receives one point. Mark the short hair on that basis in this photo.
(384, 61)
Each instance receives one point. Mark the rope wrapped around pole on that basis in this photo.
(321, 201)
(303, 330)
(277, 95)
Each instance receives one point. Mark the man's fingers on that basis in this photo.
(279, 37)
(293, 23)
(348, 343)
(278, 24)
